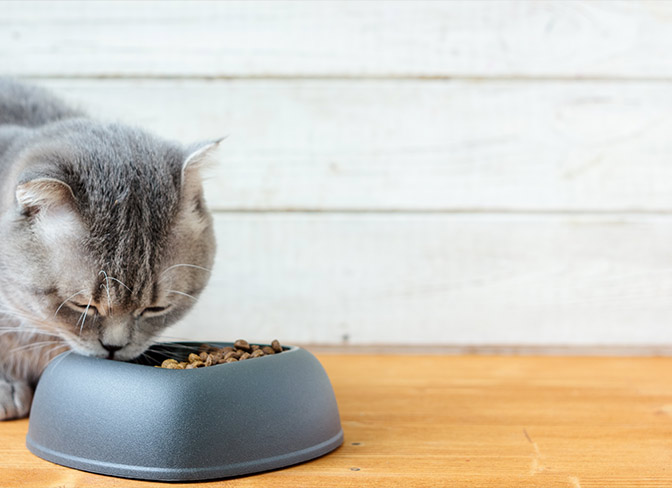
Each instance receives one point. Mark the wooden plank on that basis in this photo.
(337, 39)
(409, 145)
(438, 279)
(417, 421)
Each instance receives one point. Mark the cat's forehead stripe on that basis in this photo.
(155, 292)
(113, 294)
(97, 293)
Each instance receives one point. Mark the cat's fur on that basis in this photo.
(105, 238)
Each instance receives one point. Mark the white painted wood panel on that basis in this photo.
(412, 145)
(374, 38)
(439, 279)
(455, 156)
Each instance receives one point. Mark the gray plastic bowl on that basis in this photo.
(136, 421)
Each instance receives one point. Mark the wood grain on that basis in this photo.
(458, 279)
(411, 145)
(462, 421)
(337, 39)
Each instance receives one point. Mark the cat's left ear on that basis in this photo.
(198, 156)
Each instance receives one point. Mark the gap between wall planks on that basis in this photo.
(623, 40)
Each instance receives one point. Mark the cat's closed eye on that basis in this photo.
(154, 311)
(86, 308)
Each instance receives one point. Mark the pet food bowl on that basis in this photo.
(133, 420)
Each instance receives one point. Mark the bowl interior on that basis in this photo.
(180, 351)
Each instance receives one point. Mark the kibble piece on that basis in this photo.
(245, 355)
(209, 360)
(256, 354)
(231, 360)
(207, 348)
(168, 362)
(195, 364)
(230, 354)
(268, 350)
(243, 345)
(203, 355)
(276, 345)
(194, 357)
(255, 347)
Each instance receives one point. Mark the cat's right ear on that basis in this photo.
(42, 193)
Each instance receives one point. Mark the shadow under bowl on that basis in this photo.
(133, 420)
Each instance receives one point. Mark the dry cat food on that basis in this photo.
(210, 355)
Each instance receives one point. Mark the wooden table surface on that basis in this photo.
(454, 421)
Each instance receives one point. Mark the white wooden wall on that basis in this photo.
(466, 173)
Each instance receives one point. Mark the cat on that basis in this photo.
(105, 237)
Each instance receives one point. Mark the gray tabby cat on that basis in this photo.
(105, 238)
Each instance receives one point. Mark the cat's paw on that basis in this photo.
(15, 399)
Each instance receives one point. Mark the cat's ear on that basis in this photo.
(198, 155)
(40, 193)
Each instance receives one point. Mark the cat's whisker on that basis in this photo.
(34, 345)
(147, 358)
(172, 338)
(167, 346)
(168, 340)
(177, 338)
(83, 317)
(107, 288)
(72, 337)
(35, 322)
(183, 294)
(24, 331)
(121, 283)
(184, 265)
(44, 326)
(61, 358)
(67, 300)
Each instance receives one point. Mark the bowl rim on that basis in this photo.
(116, 364)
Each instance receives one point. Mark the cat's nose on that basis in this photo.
(111, 349)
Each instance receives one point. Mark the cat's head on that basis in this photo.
(109, 240)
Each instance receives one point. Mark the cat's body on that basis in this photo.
(104, 237)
